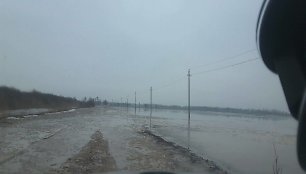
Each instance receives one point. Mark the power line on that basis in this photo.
(212, 63)
(224, 59)
(207, 71)
(227, 66)
(169, 84)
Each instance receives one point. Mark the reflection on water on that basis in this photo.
(188, 134)
(239, 143)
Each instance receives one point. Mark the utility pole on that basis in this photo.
(127, 104)
(188, 95)
(135, 102)
(188, 107)
(150, 105)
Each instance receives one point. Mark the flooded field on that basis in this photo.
(239, 143)
(90, 140)
(61, 142)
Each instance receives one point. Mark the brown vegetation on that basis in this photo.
(11, 99)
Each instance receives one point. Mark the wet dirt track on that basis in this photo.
(93, 140)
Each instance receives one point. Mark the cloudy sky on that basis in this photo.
(111, 48)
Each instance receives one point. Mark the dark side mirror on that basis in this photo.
(281, 36)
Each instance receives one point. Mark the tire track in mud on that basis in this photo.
(93, 158)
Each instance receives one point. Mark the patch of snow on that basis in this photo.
(29, 116)
(13, 118)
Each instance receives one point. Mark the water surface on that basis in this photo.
(239, 143)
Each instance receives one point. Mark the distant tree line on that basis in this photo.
(90, 102)
(11, 98)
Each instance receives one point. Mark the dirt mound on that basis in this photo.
(93, 158)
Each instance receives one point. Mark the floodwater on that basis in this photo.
(239, 143)
(47, 143)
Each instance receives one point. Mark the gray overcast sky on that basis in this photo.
(110, 48)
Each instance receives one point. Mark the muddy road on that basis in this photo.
(93, 140)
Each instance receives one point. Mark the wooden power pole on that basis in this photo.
(188, 107)
(150, 105)
(135, 102)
